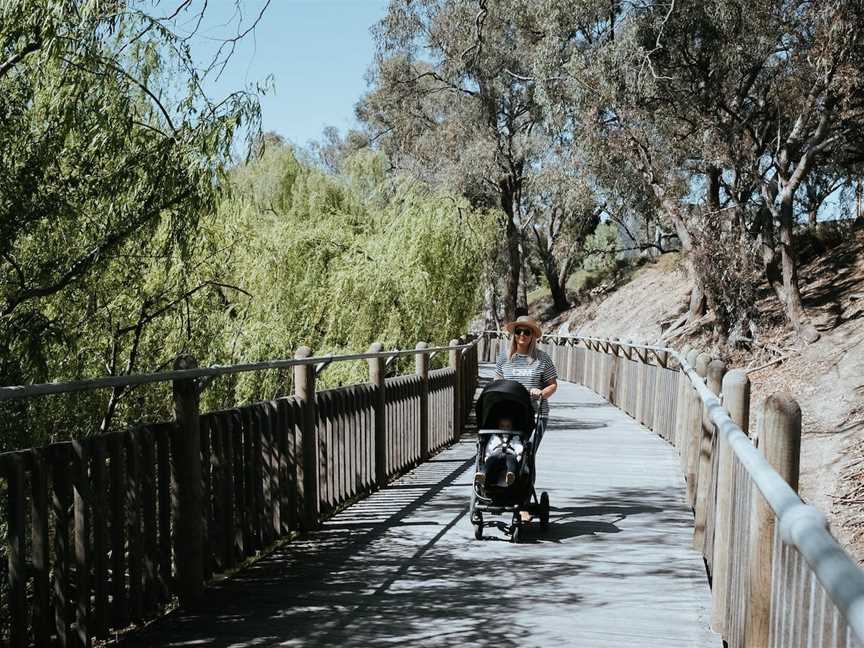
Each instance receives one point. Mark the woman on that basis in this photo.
(526, 364)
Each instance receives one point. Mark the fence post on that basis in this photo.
(304, 390)
(714, 374)
(694, 425)
(188, 494)
(456, 363)
(421, 363)
(736, 400)
(376, 377)
(661, 412)
(780, 442)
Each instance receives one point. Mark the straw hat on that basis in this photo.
(527, 322)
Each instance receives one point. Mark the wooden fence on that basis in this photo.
(779, 579)
(106, 530)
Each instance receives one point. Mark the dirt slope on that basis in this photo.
(827, 377)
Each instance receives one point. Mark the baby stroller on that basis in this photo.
(507, 487)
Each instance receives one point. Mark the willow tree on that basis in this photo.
(111, 152)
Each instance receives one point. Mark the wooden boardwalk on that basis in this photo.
(402, 568)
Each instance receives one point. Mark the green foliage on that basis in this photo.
(601, 247)
(111, 153)
(336, 263)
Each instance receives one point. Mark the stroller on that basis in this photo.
(501, 493)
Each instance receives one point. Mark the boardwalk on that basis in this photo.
(402, 568)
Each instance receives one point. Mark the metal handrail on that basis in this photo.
(801, 525)
(15, 392)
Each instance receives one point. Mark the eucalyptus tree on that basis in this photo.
(564, 210)
(453, 102)
(724, 109)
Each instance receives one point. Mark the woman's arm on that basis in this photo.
(547, 391)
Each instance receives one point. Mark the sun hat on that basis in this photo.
(528, 322)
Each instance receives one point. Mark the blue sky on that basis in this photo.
(317, 53)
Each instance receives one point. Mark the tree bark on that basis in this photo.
(789, 261)
(514, 257)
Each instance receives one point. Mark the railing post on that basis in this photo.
(187, 491)
(715, 371)
(614, 373)
(661, 412)
(376, 377)
(780, 443)
(304, 390)
(455, 364)
(694, 426)
(736, 399)
(421, 363)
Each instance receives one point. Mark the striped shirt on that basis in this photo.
(536, 374)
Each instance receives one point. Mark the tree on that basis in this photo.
(453, 104)
(723, 110)
(564, 212)
(112, 152)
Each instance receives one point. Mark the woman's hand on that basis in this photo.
(536, 394)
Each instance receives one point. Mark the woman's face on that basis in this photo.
(523, 336)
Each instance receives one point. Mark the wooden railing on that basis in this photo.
(106, 530)
(779, 578)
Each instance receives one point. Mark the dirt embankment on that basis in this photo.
(826, 377)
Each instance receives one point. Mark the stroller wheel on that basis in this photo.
(478, 530)
(514, 534)
(544, 511)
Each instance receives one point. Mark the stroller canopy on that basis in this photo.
(505, 399)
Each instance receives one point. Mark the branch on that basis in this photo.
(13, 60)
(83, 264)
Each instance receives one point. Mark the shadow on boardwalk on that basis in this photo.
(402, 566)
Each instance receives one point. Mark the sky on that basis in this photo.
(316, 53)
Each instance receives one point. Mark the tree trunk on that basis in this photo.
(490, 307)
(522, 300)
(513, 256)
(558, 290)
(788, 257)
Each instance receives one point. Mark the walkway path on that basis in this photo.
(402, 568)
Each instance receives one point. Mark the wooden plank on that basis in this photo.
(117, 473)
(207, 423)
(99, 477)
(15, 548)
(240, 504)
(134, 531)
(274, 500)
(61, 501)
(149, 520)
(324, 448)
(228, 492)
(284, 439)
(83, 555)
(163, 473)
(260, 506)
(43, 621)
(249, 506)
(341, 446)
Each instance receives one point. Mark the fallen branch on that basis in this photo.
(768, 364)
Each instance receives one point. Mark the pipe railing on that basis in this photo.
(779, 578)
(106, 530)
